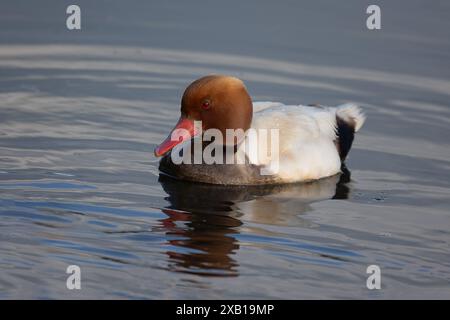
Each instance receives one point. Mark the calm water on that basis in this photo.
(81, 111)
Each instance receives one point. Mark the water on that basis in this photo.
(81, 111)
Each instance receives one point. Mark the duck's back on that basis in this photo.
(306, 141)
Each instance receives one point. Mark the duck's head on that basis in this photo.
(219, 102)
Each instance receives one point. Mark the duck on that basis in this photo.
(312, 141)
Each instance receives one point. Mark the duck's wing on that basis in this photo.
(313, 140)
(310, 122)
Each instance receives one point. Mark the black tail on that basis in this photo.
(345, 135)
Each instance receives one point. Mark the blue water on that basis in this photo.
(80, 113)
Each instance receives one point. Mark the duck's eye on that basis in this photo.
(206, 105)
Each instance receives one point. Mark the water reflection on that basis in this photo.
(201, 243)
(202, 220)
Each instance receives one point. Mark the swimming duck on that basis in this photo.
(312, 142)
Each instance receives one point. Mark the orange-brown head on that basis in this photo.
(219, 102)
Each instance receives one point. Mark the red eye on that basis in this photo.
(206, 105)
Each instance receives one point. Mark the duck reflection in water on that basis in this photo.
(203, 220)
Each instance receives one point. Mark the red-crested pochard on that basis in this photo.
(311, 141)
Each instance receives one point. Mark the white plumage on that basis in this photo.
(307, 135)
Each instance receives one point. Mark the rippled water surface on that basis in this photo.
(81, 111)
